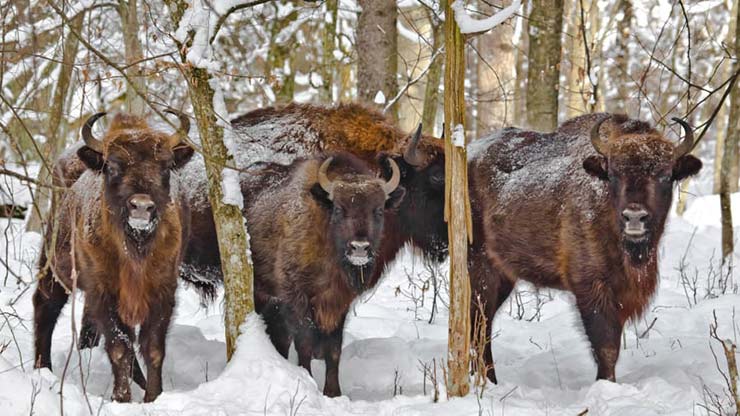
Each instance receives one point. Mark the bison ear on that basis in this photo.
(182, 155)
(686, 166)
(395, 198)
(596, 166)
(92, 159)
(385, 169)
(321, 196)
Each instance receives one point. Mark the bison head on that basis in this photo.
(640, 166)
(136, 162)
(422, 210)
(357, 204)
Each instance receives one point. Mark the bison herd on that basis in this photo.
(331, 196)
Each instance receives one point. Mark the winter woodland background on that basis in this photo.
(61, 61)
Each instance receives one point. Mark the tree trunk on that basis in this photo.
(377, 52)
(578, 91)
(431, 91)
(729, 156)
(54, 140)
(231, 227)
(327, 51)
(279, 56)
(621, 68)
(722, 117)
(128, 9)
(520, 84)
(496, 78)
(457, 209)
(543, 76)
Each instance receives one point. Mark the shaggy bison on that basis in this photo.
(316, 235)
(580, 209)
(119, 236)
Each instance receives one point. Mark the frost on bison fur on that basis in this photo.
(580, 209)
(281, 135)
(121, 226)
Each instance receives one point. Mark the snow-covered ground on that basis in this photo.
(543, 360)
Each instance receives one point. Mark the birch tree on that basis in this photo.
(197, 26)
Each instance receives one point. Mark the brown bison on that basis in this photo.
(316, 235)
(120, 233)
(580, 209)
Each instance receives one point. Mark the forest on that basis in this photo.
(369, 207)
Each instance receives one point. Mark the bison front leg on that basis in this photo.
(304, 343)
(604, 330)
(152, 338)
(89, 335)
(332, 348)
(119, 339)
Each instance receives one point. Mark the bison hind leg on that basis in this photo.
(48, 301)
(89, 334)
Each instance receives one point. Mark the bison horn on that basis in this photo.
(87, 136)
(412, 155)
(395, 179)
(184, 120)
(601, 147)
(324, 181)
(687, 143)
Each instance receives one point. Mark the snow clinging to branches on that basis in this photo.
(469, 25)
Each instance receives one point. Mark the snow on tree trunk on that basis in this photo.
(197, 24)
(729, 156)
(54, 140)
(457, 210)
(377, 52)
(543, 78)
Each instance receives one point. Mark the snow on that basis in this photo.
(470, 25)
(543, 361)
(458, 136)
(379, 98)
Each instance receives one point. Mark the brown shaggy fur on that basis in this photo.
(129, 279)
(304, 284)
(548, 209)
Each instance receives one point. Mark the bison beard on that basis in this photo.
(574, 211)
(129, 275)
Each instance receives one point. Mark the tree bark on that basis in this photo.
(128, 10)
(377, 52)
(231, 227)
(54, 140)
(327, 50)
(457, 210)
(578, 91)
(621, 68)
(729, 156)
(279, 57)
(722, 117)
(543, 76)
(520, 84)
(496, 77)
(431, 90)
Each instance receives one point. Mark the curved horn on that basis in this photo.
(395, 179)
(687, 143)
(412, 155)
(324, 181)
(184, 119)
(601, 147)
(87, 136)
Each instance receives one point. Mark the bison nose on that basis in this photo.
(360, 246)
(141, 207)
(634, 215)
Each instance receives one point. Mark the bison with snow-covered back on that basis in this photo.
(316, 229)
(580, 209)
(121, 227)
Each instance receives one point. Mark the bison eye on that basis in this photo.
(379, 212)
(112, 170)
(338, 211)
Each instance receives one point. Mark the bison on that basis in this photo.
(120, 235)
(316, 230)
(580, 209)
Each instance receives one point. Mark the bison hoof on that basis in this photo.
(151, 396)
(123, 396)
(332, 391)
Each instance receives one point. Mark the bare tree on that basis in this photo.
(377, 52)
(543, 79)
(129, 12)
(431, 91)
